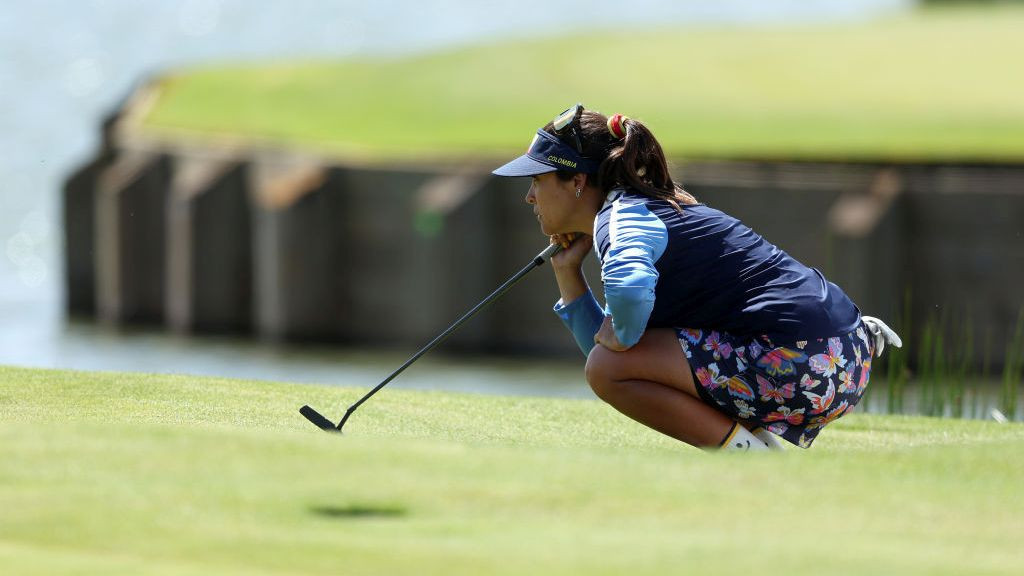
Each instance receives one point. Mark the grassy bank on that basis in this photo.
(933, 84)
(143, 474)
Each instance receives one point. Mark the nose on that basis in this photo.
(531, 198)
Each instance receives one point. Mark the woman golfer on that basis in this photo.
(709, 334)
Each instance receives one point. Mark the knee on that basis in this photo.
(600, 372)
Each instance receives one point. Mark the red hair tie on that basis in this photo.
(617, 125)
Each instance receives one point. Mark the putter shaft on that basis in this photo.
(319, 420)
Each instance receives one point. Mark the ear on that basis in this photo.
(579, 181)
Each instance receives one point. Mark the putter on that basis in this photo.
(321, 422)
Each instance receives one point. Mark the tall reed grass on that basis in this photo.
(947, 379)
(1013, 369)
(897, 369)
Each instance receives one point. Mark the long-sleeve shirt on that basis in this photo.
(699, 268)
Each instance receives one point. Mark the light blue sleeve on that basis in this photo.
(583, 317)
(637, 238)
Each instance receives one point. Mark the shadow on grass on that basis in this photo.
(357, 511)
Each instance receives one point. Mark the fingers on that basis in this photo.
(602, 333)
(563, 240)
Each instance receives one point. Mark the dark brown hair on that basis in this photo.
(636, 161)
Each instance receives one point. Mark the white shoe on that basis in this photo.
(770, 439)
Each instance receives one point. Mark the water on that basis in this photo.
(64, 64)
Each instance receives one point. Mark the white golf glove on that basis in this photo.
(881, 334)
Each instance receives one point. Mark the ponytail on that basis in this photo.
(630, 156)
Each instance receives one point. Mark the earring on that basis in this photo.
(578, 192)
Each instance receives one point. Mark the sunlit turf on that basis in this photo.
(928, 85)
(107, 473)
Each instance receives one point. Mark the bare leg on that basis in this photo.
(652, 384)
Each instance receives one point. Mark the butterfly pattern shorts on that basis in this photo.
(794, 389)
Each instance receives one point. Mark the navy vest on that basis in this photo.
(716, 273)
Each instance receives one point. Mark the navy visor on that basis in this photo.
(546, 154)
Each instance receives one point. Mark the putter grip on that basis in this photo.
(546, 255)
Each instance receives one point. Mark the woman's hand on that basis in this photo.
(568, 264)
(575, 248)
(606, 336)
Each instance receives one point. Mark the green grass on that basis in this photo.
(934, 84)
(104, 473)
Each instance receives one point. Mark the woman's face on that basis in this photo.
(554, 202)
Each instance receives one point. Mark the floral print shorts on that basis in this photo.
(794, 389)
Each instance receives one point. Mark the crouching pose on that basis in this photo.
(709, 334)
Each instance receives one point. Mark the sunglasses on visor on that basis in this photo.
(570, 120)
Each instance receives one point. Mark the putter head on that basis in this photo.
(318, 419)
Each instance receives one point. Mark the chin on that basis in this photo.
(547, 229)
(549, 232)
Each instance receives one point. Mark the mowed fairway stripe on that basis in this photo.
(111, 492)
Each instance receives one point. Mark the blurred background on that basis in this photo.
(901, 180)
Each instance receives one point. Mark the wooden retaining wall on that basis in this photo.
(287, 246)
